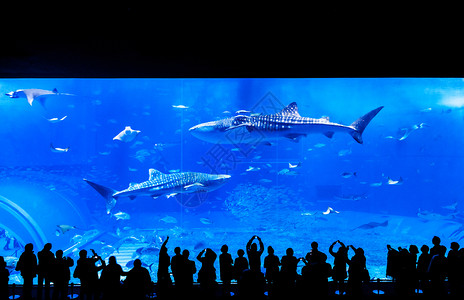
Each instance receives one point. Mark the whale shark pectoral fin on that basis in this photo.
(329, 134)
(55, 91)
(295, 137)
(241, 125)
(132, 197)
(193, 186)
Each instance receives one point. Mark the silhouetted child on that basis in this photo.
(61, 275)
(27, 265)
(271, 264)
(138, 281)
(339, 273)
(226, 269)
(4, 277)
(254, 254)
(240, 264)
(46, 259)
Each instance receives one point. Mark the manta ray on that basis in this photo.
(286, 124)
(35, 94)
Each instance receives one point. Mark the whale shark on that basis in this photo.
(35, 94)
(286, 124)
(159, 184)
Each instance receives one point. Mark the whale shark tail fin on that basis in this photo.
(106, 192)
(360, 124)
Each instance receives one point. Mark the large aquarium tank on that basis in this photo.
(118, 165)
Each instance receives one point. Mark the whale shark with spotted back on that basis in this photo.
(159, 184)
(286, 124)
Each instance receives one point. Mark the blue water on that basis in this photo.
(41, 189)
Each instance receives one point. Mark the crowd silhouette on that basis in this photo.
(431, 271)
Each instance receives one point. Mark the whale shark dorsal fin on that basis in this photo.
(290, 110)
(153, 173)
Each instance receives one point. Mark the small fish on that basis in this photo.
(180, 106)
(127, 135)
(348, 174)
(174, 171)
(344, 152)
(169, 220)
(56, 120)
(264, 180)
(395, 182)
(329, 211)
(253, 169)
(199, 245)
(206, 221)
(290, 166)
(65, 228)
(58, 150)
(121, 216)
(376, 184)
(320, 145)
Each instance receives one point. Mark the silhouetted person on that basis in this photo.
(186, 274)
(240, 264)
(254, 254)
(422, 267)
(87, 272)
(164, 279)
(46, 259)
(339, 273)
(138, 281)
(27, 265)
(406, 277)
(454, 269)
(226, 269)
(438, 270)
(4, 277)
(176, 266)
(436, 246)
(207, 273)
(61, 275)
(288, 269)
(357, 271)
(252, 285)
(393, 263)
(315, 252)
(271, 264)
(111, 279)
(319, 272)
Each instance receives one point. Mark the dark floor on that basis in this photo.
(374, 290)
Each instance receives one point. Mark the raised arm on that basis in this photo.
(248, 245)
(261, 245)
(165, 242)
(331, 248)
